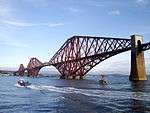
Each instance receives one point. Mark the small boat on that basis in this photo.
(23, 83)
(103, 82)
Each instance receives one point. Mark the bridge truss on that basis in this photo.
(145, 46)
(80, 54)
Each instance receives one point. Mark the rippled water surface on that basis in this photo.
(52, 95)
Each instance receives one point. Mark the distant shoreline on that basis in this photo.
(6, 72)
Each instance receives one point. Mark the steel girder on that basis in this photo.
(80, 54)
(145, 46)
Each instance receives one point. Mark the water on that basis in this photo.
(51, 95)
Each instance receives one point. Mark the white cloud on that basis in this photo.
(5, 10)
(17, 44)
(114, 12)
(95, 3)
(12, 42)
(142, 2)
(39, 3)
(18, 24)
(55, 24)
(72, 9)
(24, 24)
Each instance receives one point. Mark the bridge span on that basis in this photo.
(79, 54)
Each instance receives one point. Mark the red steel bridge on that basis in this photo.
(79, 54)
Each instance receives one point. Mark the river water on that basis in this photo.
(52, 95)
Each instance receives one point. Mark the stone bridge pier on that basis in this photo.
(138, 71)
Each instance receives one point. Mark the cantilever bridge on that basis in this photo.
(79, 54)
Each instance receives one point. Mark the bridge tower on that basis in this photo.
(34, 67)
(21, 70)
(138, 71)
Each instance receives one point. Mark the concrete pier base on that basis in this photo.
(138, 71)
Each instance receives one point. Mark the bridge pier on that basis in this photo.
(138, 71)
(33, 72)
(62, 77)
(73, 77)
(81, 77)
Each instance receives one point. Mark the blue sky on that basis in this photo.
(37, 28)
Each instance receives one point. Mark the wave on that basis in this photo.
(93, 93)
